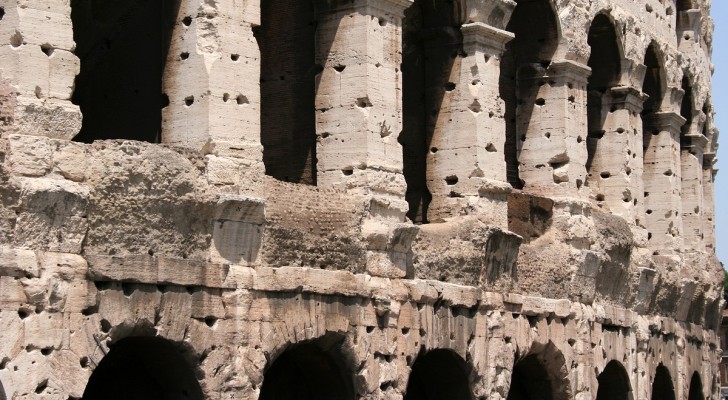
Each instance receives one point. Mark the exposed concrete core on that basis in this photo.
(439, 375)
(662, 387)
(144, 368)
(309, 370)
(123, 47)
(614, 383)
(432, 46)
(696, 388)
(530, 381)
(526, 56)
(287, 39)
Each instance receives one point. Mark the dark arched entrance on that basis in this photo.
(696, 388)
(530, 381)
(613, 383)
(439, 375)
(143, 368)
(311, 370)
(122, 45)
(662, 387)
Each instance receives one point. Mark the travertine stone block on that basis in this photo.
(358, 105)
(466, 171)
(237, 234)
(661, 178)
(551, 126)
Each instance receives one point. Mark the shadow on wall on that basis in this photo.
(439, 374)
(614, 383)
(662, 388)
(143, 368)
(122, 45)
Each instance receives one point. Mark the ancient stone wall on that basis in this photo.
(367, 199)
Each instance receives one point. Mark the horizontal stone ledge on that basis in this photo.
(142, 268)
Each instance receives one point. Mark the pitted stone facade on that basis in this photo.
(360, 199)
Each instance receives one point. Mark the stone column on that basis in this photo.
(615, 174)
(466, 170)
(691, 160)
(211, 79)
(661, 179)
(358, 95)
(709, 201)
(688, 27)
(38, 70)
(551, 128)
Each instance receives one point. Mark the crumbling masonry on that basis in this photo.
(357, 199)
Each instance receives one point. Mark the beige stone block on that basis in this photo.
(18, 262)
(29, 155)
(36, 22)
(70, 160)
(12, 294)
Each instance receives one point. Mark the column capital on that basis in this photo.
(394, 7)
(571, 70)
(478, 34)
(628, 97)
(665, 121)
(695, 142)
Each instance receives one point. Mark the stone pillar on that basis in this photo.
(661, 177)
(551, 128)
(688, 27)
(38, 70)
(358, 97)
(615, 175)
(691, 160)
(211, 79)
(466, 170)
(709, 201)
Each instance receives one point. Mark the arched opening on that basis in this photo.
(287, 41)
(653, 82)
(432, 42)
(604, 62)
(662, 387)
(523, 66)
(439, 375)
(310, 370)
(143, 368)
(686, 111)
(122, 46)
(696, 388)
(530, 381)
(614, 383)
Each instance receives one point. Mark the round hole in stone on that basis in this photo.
(451, 180)
(241, 100)
(540, 102)
(184, 56)
(605, 174)
(235, 57)
(187, 21)
(189, 100)
(433, 150)
(600, 197)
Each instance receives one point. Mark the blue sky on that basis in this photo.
(719, 13)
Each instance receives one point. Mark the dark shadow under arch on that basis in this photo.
(529, 54)
(686, 111)
(3, 396)
(439, 374)
(530, 381)
(122, 45)
(614, 383)
(143, 368)
(696, 388)
(662, 387)
(311, 370)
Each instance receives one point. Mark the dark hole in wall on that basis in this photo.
(696, 388)
(534, 24)
(613, 383)
(311, 370)
(530, 381)
(686, 111)
(143, 368)
(662, 387)
(287, 42)
(122, 45)
(652, 86)
(431, 36)
(438, 375)
(605, 64)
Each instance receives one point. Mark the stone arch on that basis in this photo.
(540, 375)
(439, 374)
(537, 36)
(144, 367)
(311, 369)
(655, 80)
(605, 62)
(287, 42)
(662, 386)
(696, 388)
(123, 49)
(614, 383)
(432, 43)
